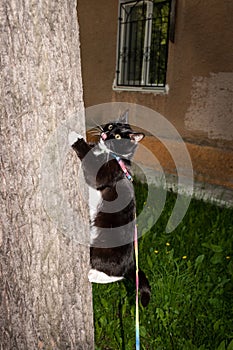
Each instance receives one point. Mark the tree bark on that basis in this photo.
(45, 297)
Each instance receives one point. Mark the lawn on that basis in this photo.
(191, 274)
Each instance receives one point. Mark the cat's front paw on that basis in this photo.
(74, 137)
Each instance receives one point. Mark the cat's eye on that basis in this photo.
(117, 136)
(110, 127)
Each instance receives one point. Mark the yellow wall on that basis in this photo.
(199, 102)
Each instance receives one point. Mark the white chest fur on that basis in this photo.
(96, 276)
(94, 201)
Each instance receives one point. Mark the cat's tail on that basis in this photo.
(144, 287)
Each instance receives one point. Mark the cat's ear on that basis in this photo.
(124, 117)
(136, 136)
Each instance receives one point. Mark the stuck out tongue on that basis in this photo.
(103, 136)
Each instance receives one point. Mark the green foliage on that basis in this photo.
(191, 274)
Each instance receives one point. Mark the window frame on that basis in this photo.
(123, 44)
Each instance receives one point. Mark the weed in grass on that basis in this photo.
(191, 275)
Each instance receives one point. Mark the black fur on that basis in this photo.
(112, 250)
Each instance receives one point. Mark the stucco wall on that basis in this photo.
(98, 34)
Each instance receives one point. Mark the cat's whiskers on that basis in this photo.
(98, 126)
(95, 130)
(93, 133)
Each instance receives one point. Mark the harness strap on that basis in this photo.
(123, 167)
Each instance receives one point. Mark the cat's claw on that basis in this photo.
(73, 137)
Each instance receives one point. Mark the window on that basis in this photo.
(143, 34)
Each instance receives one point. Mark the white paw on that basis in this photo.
(96, 276)
(73, 137)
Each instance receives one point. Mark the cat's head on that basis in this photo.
(119, 138)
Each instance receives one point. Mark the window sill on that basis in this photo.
(155, 90)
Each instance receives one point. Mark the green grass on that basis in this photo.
(191, 274)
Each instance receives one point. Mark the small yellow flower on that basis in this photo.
(184, 257)
(156, 251)
(168, 244)
(228, 257)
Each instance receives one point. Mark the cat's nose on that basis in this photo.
(103, 136)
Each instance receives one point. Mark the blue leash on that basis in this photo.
(137, 288)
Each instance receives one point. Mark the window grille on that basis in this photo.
(143, 35)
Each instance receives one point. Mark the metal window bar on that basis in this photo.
(143, 43)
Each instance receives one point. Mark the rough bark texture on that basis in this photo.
(45, 297)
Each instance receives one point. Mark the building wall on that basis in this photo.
(199, 101)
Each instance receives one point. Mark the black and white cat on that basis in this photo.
(106, 167)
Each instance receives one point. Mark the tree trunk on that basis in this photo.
(45, 297)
